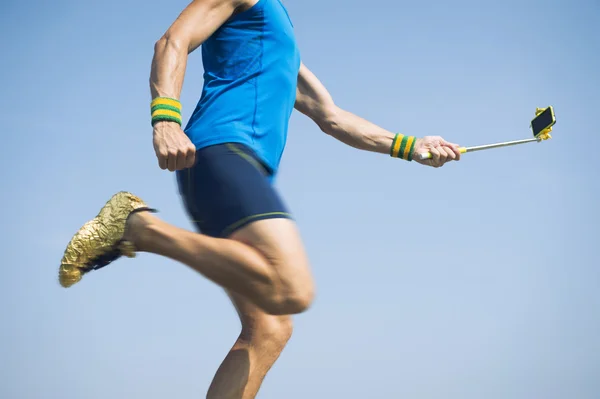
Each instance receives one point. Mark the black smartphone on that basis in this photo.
(543, 121)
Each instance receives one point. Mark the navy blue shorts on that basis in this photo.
(227, 188)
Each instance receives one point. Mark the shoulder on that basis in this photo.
(243, 5)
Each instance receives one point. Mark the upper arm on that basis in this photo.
(199, 20)
(312, 98)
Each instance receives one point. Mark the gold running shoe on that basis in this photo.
(100, 241)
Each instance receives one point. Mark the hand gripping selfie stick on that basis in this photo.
(541, 126)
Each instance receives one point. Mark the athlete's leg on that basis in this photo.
(249, 245)
(266, 263)
(260, 343)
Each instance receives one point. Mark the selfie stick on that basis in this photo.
(543, 135)
(487, 146)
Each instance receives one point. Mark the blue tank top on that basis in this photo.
(251, 66)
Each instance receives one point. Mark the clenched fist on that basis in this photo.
(173, 148)
(441, 151)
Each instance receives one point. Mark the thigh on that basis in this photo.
(279, 241)
(228, 188)
(228, 194)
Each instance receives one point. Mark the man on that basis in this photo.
(226, 161)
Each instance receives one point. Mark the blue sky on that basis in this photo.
(476, 280)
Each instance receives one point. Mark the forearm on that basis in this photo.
(357, 132)
(168, 68)
(314, 101)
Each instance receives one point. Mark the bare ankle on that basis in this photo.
(138, 229)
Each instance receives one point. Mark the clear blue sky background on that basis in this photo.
(476, 280)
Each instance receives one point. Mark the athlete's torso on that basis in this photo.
(251, 66)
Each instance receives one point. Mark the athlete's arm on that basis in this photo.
(199, 20)
(314, 101)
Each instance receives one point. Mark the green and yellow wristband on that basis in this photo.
(403, 146)
(165, 109)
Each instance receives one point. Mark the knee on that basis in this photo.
(268, 332)
(299, 300)
(290, 294)
(295, 300)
